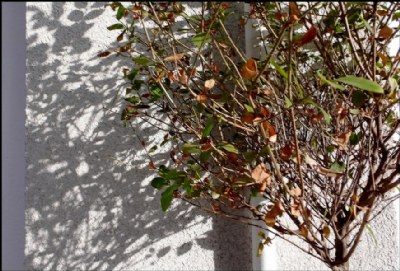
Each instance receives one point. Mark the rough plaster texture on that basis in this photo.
(89, 205)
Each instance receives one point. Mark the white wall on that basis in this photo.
(89, 204)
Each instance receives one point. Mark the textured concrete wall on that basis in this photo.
(89, 205)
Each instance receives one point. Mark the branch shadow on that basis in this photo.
(89, 204)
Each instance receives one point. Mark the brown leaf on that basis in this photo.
(294, 9)
(385, 32)
(183, 79)
(382, 12)
(201, 98)
(120, 36)
(296, 192)
(270, 217)
(303, 230)
(270, 131)
(249, 70)
(103, 54)
(326, 231)
(248, 117)
(209, 84)
(342, 140)
(295, 208)
(384, 58)
(286, 151)
(261, 174)
(265, 113)
(151, 165)
(174, 57)
(307, 37)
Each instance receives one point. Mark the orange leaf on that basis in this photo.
(294, 9)
(249, 70)
(385, 32)
(308, 37)
(286, 152)
(270, 217)
(201, 98)
(260, 174)
(382, 12)
(270, 130)
(174, 57)
(248, 117)
(209, 84)
(151, 165)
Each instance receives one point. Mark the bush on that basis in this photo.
(311, 125)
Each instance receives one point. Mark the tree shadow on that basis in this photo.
(89, 204)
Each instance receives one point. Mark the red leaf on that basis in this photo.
(308, 37)
(103, 54)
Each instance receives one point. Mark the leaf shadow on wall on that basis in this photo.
(88, 202)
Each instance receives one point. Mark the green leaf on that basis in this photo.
(361, 83)
(137, 84)
(249, 108)
(279, 69)
(120, 12)
(115, 27)
(187, 186)
(260, 249)
(208, 127)
(288, 102)
(156, 92)
(188, 148)
(359, 98)
(171, 174)
(354, 138)
(167, 196)
(371, 232)
(201, 38)
(131, 75)
(229, 147)
(327, 117)
(159, 182)
(393, 84)
(326, 81)
(142, 60)
(133, 100)
(204, 156)
(337, 167)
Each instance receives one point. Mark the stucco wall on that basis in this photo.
(89, 205)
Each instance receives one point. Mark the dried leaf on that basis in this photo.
(342, 140)
(174, 57)
(183, 79)
(382, 12)
(272, 136)
(209, 84)
(260, 174)
(286, 152)
(295, 192)
(385, 32)
(201, 98)
(248, 117)
(295, 209)
(151, 165)
(303, 230)
(326, 231)
(307, 37)
(103, 54)
(270, 217)
(249, 70)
